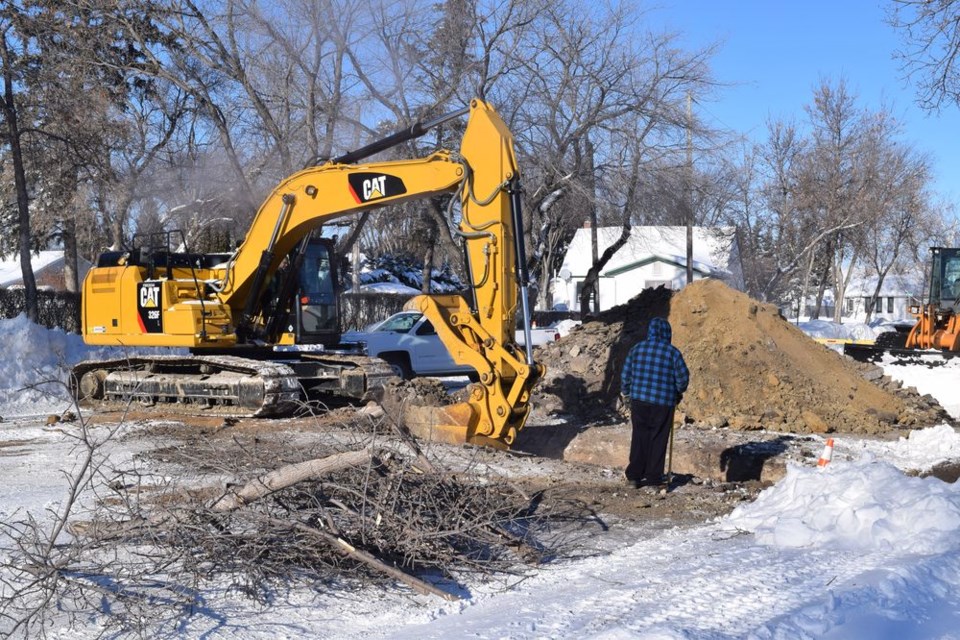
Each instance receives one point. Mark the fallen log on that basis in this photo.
(288, 476)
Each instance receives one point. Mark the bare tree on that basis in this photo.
(900, 204)
(583, 78)
(14, 47)
(833, 180)
(931, 48)
(61, 96)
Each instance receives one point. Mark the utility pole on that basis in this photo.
(689, 194)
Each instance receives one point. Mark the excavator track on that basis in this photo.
(222, 385)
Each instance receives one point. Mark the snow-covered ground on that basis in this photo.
(858, 550)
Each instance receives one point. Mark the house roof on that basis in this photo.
(10, 272)
(711, 249)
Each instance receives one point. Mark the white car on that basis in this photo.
(408, 342)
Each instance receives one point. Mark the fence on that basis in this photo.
(55, 309)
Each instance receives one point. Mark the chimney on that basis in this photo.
(586, 224)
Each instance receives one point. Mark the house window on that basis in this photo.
(890, 304)
(850, 302)
(653, 284)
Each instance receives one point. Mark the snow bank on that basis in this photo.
(923, 449)
(35, 361)
(33, 371)
(864, 506)
(833, 330)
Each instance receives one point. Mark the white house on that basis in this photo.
(653, 256)
(897, 293)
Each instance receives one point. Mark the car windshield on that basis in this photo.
(401, 323)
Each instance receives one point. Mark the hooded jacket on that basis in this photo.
(654, 370)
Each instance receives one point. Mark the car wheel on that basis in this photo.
(400, 365)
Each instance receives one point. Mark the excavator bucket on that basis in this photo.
(450, 424)
(460, 423)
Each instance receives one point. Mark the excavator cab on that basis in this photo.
(300, 303)
(315, 309)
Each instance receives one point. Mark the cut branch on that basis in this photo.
(370, 560)
(290, 475)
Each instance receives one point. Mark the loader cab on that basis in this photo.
(945, 278)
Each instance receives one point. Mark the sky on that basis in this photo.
(774, 52)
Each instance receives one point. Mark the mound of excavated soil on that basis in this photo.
(749, 368)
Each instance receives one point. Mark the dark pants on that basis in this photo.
(648, 446)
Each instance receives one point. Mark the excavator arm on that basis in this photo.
(485, 178)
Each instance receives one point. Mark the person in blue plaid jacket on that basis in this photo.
(654, 378)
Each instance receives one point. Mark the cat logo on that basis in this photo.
(149, 296)
(149, 302)
(366, 187)
(373, 188)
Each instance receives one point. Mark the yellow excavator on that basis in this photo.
(261, 323)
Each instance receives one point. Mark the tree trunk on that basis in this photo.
(288, 476)
(593, 275)
(806, 285)
(427, 268)
(432, 233)
(355, 261)
(841, 283)
(873, 303)
(821, 288)
(822, 284)
(71, 277)
(20, 180)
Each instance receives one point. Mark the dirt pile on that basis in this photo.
(750, 369)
